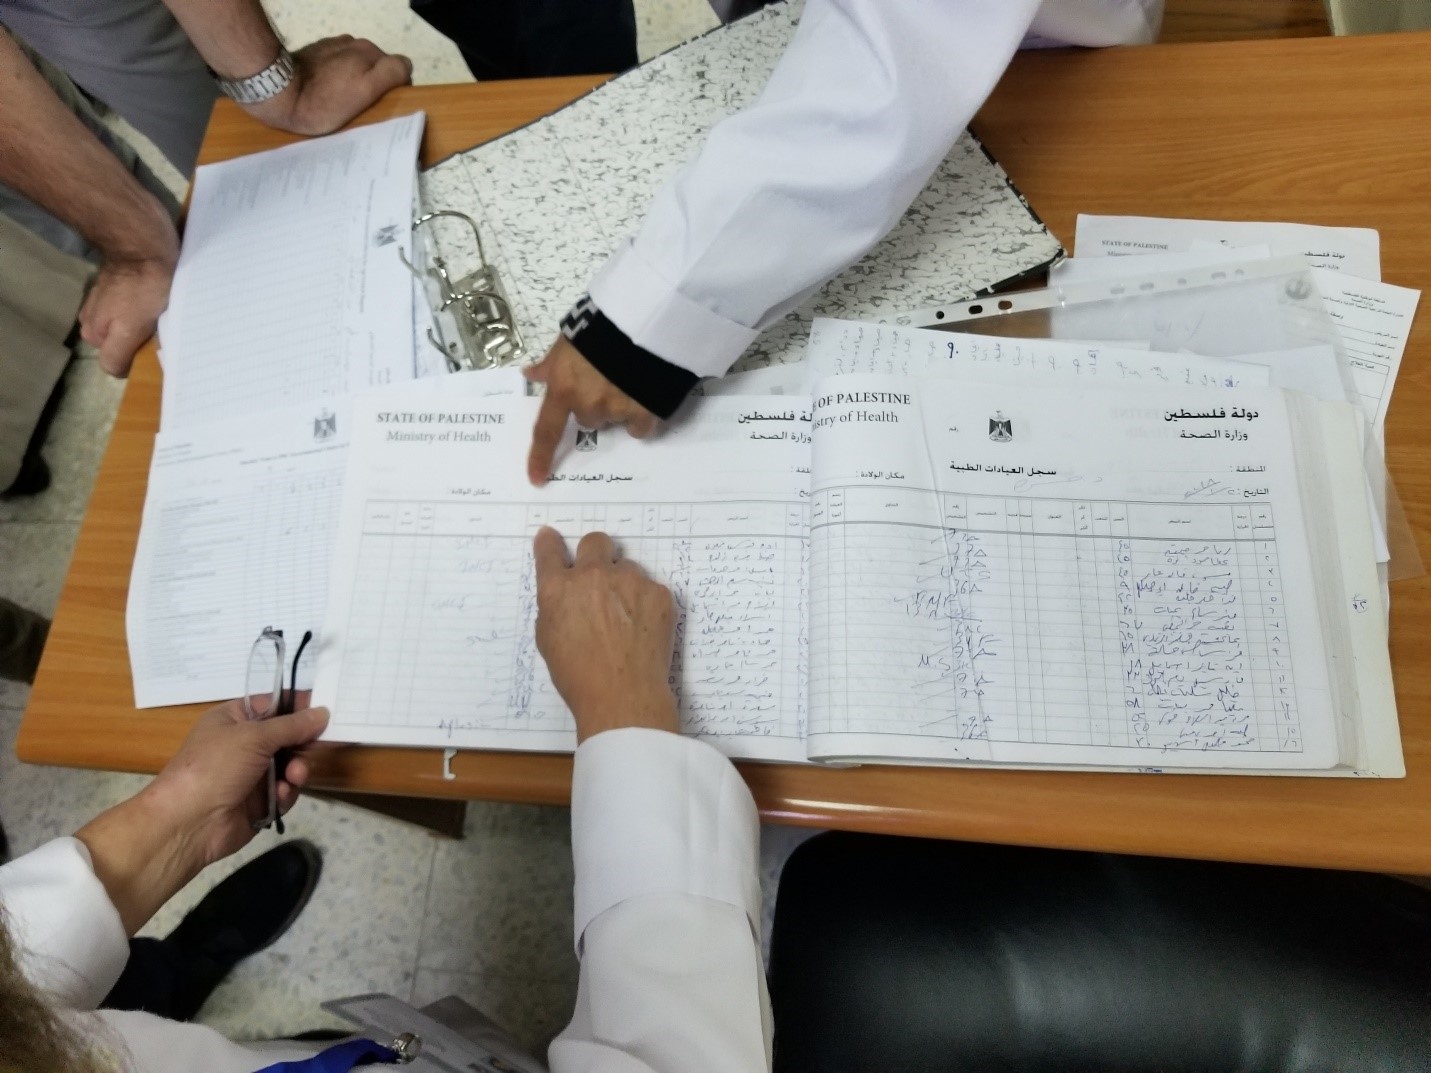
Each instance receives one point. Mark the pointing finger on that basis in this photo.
(546, 436)
(549, 552)
(641, 423)
(595, 547)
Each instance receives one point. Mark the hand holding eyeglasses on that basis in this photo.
(201, 808)
(218, 780)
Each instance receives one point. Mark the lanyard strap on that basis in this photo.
(339, 1059)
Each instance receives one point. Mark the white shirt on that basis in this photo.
(867, 100)
(665, 840)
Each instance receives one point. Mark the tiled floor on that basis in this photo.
(398, 910)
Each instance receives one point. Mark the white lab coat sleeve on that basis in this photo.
(67, 933)
(665, 842)
(69, 942)
(867, 100)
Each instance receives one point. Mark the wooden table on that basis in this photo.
(1331, 131)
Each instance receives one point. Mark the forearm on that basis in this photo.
(332, 80)
(234, 36)
(865, 103)
(50, 157)
(141, 857)
(664, 837)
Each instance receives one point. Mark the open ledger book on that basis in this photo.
(896, 569)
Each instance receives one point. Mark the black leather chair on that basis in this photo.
(913, 956)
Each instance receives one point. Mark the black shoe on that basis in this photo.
(34, 474)
(33, 478)
(245, 913)
(22, 641)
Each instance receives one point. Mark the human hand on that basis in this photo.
(334, 80)
(216, 788)
(606, 631)
(574, 386)
(122, 309)
(199, 809)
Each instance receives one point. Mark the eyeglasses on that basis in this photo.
(264, 696)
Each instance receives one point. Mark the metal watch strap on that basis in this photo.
(265, 85)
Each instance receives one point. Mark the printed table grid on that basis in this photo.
(222, 570)
(1074, 622)
(441, 626)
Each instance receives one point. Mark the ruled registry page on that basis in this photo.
(429, 638)
(1048, 575)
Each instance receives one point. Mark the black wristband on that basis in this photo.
(652, 381)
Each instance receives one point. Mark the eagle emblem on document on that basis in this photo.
(1001, 428)
(586, 439)
(325, 426)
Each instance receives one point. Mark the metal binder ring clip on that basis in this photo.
(473, 323)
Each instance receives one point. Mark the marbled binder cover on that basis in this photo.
(554, 198)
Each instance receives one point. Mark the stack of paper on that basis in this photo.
(291, 285)
(917, 546)
(1373, 318)
(282, 304)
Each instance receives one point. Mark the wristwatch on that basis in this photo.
(268, 83)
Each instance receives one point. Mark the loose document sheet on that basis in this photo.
(840, 347)
(1354, 250)
(1373, 319)
(237, 525)
(291, 285)
(1096, 269)
(429, 637)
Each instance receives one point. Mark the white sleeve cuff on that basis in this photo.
(656, 813)
(67, 932)
(657, 317)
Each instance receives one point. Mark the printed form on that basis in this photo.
(992, 582)
(429, 637)
(291, 285)
(235, 536)
(1355, 250)
(238, 526)
(1373, 319)
(1374, 324)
